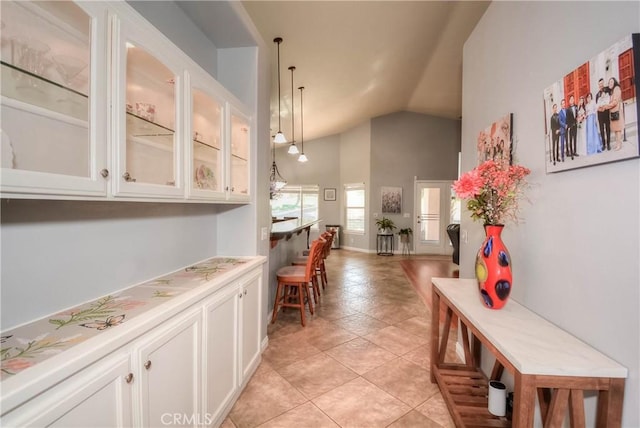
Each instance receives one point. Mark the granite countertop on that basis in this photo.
(30, 344)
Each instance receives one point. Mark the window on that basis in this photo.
(296, 201)
(354, 197)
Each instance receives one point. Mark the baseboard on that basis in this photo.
(359, 250)
(264, 344)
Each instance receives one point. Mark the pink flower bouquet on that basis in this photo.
(492, 191)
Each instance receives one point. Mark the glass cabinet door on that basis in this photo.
(207, 152)
(148, 94)
(239, 163)
(53, 59)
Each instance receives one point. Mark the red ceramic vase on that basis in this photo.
(493, 269)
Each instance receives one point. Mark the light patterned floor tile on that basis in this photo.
(361, 404)
(404, 380)
(360, 355)
(267, 395)
(306, 415)
(316, 375)
(396, 340)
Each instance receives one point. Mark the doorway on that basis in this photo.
(432, 216)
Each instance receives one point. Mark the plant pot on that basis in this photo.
(493, 269)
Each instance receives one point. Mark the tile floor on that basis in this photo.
(361, 361)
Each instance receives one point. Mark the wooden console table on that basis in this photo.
(546, 362)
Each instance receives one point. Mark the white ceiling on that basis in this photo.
(362, 59)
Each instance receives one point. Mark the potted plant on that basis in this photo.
(385, 225)
(405, 235)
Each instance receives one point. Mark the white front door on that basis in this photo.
(433, 211)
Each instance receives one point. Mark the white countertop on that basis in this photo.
(532, 344)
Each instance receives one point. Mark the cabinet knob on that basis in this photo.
(226, 188)
(245, 292)
(147, 364)
(128, 178)
(104, 173)
(129, 378)
(240, 295)
(233, 189)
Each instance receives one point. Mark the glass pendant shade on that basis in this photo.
(279, 138)
(302, 158)
(293, 149)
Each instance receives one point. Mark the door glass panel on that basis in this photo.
(45, 55)
(207, 132)
(430, 215)
(151, 115)
(239, 155)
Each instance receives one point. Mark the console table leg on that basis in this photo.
(435, 332)
(610, 404)
(524, 400)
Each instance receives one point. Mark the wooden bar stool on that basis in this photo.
(321, 268)
(293, 284)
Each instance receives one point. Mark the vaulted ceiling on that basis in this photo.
(362, 59)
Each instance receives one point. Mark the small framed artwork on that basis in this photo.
(391, 200)
(330, 194)
(494, 142)
(591, 112)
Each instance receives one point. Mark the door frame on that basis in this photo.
(444, 247)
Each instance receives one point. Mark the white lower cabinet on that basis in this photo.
(250, 316)
(98, 396)
(186, 371)
(221, 355)
(167, 364)
(232, 337)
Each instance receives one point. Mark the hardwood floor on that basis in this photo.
(363, 360)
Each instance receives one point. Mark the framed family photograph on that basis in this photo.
(495, 141)
(330, 194)
(591, 113)
(391, 200)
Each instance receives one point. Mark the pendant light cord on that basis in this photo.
(278, 40)
(293, 123)
(301, 122)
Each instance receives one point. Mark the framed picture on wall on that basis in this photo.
(494, 142)
(391, 200)
(591, 113)
(329, 194)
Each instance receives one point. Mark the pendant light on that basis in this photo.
(276, 181)
(279, 137)
(293, 149)
(302, 157)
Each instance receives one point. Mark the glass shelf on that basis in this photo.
(35, 90)
(141, 129)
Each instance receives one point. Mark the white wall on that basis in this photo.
(355, 167)
(58, 254)
(577, 253)
(405, 145)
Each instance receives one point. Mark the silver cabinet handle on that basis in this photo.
(147, 364)
(128, 178)
(104, 173)
(129, 378)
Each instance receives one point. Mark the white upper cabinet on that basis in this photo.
(206, 151)
(97, 103)
(54, 73)
(240, 144)
(147, 111)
